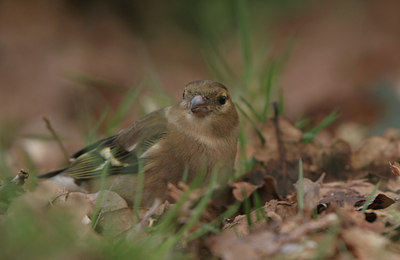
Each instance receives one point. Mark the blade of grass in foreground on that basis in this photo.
(247, 164)
(327, 241)
(95, 217)
(252, 110)
(368, 201)
(56, 138)
(216, 74)
(92, 81)
(159, 93)
(217, 63)
(300, 191)
(309, 135)
(260, 212)
(259, 134)
(168, 219)
(266, 85)
(213, 226)
(139, 191)
(247, 208)
(192, 221)
(95, 129)
(123, 109)
(281, 103)
(244, 37)
(303, 123)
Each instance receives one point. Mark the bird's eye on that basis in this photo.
(222, 100)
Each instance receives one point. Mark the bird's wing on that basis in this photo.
(120, 152)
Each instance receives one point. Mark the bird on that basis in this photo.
(198, 134)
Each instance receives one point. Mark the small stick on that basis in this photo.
(20, 178)
(149, 213)
(56, 137)
(281, 147)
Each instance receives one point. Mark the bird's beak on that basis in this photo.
(198, 106)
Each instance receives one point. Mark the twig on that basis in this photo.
(20, 178)
(56, 137)
(148, 214)
(281, 148)
(12, 189)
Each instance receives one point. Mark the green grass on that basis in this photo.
(369, 198)
(96, 214)
(328, 241)
(300, 190)
(254, 125)
(124, 107)
(311, 133)
(259, 207)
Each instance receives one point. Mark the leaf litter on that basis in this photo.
(345, 212)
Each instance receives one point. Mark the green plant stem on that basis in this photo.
(300, 191)
(56, 137)
(367, 202)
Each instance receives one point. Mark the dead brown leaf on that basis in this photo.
(264, 241)
(365, 244)
(395, 168)
(311, 194)
(115, 222)
(242, 190)
(374, 151)
(110, 201)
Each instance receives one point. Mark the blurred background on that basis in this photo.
(74, 62)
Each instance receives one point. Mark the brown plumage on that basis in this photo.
(199, 133)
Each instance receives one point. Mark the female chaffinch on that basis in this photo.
(198, 134)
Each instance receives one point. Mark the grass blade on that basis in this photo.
(368, 201)
(92, 81)
(167, 220)
(192, 221)
(139, 191)
(303, 123)
(242, 20)
(309, 135)
(57, 138)
(122, 110)
(258, 131)
(281, 103)
(95, 217)
(266, 85)
(300, 191)
(327, 241)
(216, 74)
(260, 212)
(247, 208)
(95, 129)
(217, 63)
(215, 223)
(244, 161)
(252, 110)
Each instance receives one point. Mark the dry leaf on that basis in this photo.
(242, 190)
(110, 201)
(115, 222)
(311, 194)
(395, 168)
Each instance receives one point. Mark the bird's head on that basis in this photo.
(206, 109)
(206, 98)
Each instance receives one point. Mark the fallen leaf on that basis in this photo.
(395, 168)
(110, 201)
(242, 190)
(115, 222)
(311, 194)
